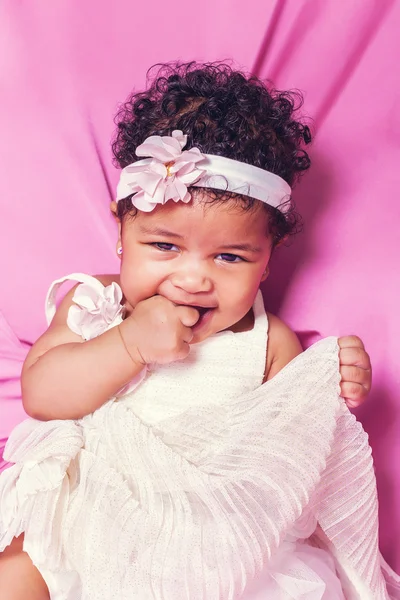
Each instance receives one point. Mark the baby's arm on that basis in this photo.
(64, 377)
(283, 346)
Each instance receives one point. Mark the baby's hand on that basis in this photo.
(158, 331)
(355, 369)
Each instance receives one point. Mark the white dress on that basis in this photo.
(197, 482)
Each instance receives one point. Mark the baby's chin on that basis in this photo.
(204, 329)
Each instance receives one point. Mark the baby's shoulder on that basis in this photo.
(65, 304)
(108, 279)
(59, 332)
(283, 346)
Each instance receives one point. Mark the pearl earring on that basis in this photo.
(119, 251)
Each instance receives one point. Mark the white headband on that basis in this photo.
(168, 174)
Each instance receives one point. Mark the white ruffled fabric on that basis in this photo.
(94, 310)
(96, 307)
(214, 501)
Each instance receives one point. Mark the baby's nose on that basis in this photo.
(192, 281)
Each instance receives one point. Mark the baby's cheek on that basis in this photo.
(130, 288)
(136, 291)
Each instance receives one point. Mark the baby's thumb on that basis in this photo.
(188, 315)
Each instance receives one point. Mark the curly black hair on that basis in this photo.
(223, 112)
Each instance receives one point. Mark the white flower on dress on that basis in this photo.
(94, 309)
(165, 176)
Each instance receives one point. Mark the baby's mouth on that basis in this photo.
(203, 312)
(202, 309)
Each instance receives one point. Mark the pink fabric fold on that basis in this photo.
(12, 356)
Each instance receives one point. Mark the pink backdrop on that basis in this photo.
(64, 67)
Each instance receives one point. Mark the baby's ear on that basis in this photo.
(113, 209)
(265, 274)
(282, 241)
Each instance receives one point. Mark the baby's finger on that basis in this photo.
(188, 315)
(353, 393)
(350, 341)
(184, 351)
(355, 356)
(354, 374)
(187, 334)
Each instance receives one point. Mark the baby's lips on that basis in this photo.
(202, 310)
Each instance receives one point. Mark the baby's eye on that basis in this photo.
(230, 258)
(164, 246)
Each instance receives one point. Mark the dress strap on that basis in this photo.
(261, 324)
(260, 315)
(50, 305)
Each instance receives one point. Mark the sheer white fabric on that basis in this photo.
(206, 494)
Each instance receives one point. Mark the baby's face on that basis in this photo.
(212, 256)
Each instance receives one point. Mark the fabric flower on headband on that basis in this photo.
(165, 176)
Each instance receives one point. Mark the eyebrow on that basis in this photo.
(242, 247)
(160, 231)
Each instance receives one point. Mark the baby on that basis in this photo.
(182, 446)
